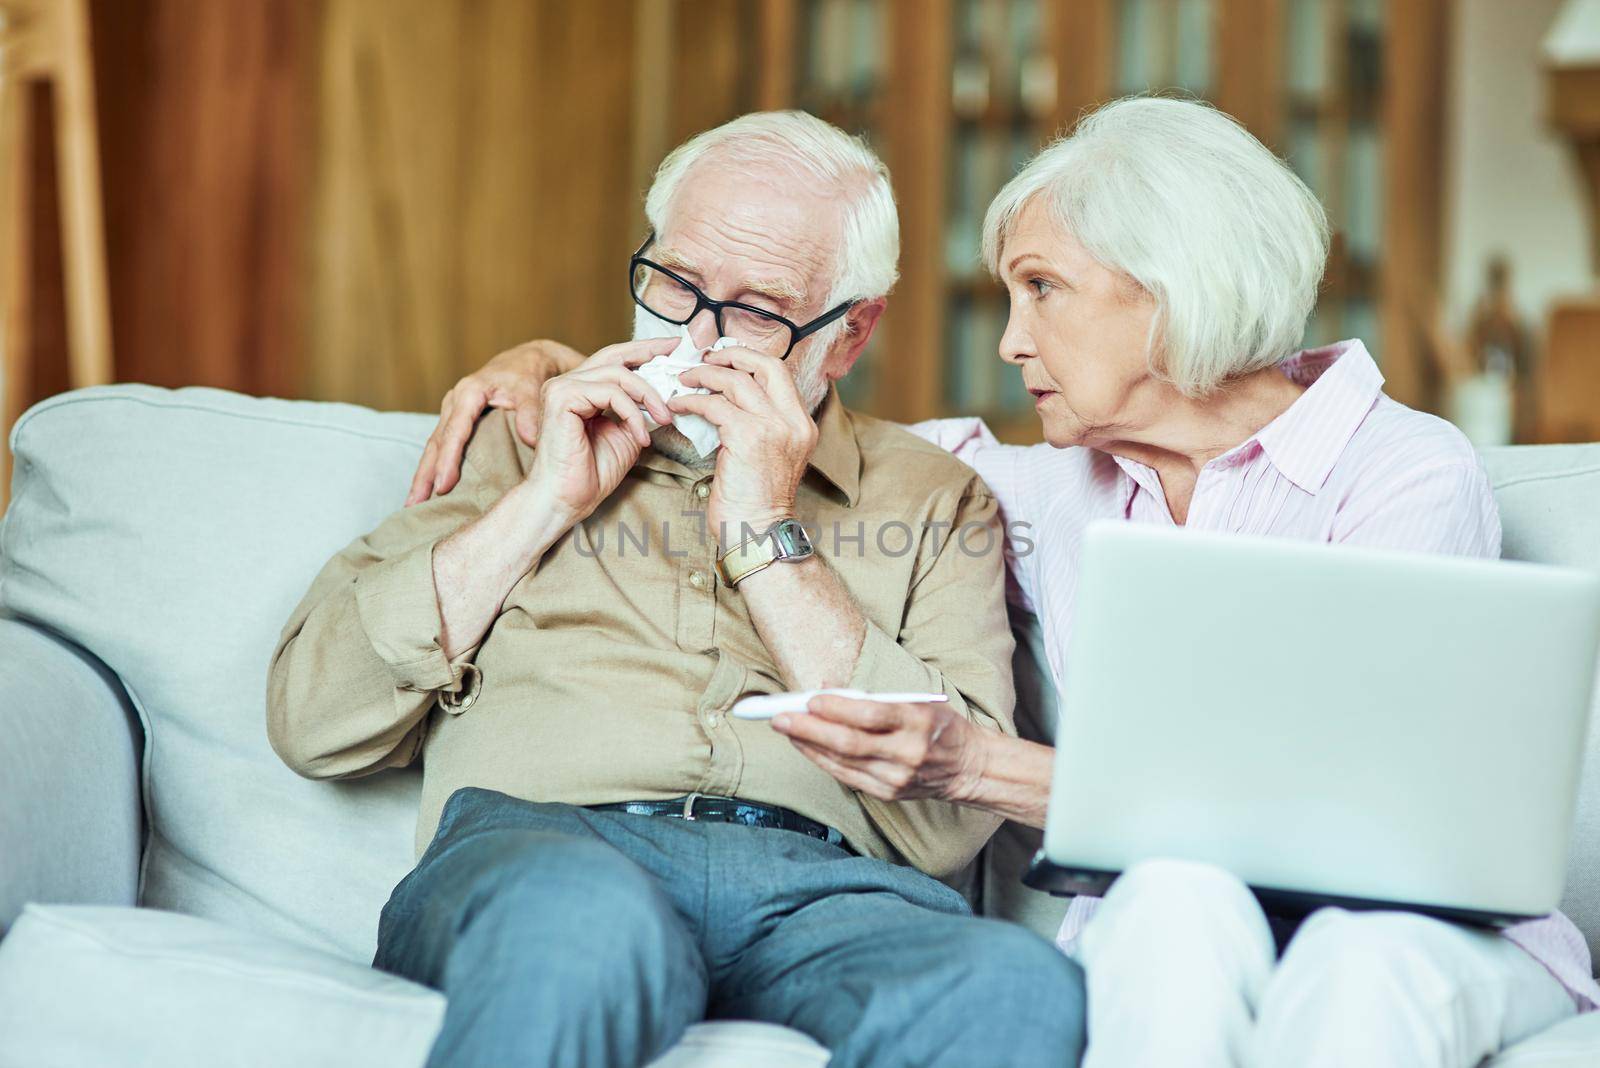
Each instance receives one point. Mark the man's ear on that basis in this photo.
(863, 320)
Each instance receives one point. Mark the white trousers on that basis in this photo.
(1182, 971)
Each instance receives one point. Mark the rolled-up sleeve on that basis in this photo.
(359, 665)
(398, 606)
(954, 639)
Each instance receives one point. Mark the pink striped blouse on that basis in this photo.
(1344, 463)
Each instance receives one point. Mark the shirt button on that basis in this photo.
(697, 579)
(702, 491)
(471, 684)
(713, 719)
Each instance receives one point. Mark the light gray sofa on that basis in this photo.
(155, 543)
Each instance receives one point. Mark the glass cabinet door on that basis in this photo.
(1165, 44)
(1007, 72)
(1003, 88)
(1333, 72)
(842, 68)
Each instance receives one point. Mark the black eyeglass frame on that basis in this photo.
(797, 333)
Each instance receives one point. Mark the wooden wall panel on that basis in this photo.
(715, 60)
(475, 188)
(364, 199)
(204, 122)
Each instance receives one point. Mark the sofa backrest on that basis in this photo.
(171, 533)
(1549, 498)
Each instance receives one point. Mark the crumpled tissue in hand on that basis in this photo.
(662, 373)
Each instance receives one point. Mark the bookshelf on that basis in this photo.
(957, 94)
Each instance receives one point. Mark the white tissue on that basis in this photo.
(662, 373)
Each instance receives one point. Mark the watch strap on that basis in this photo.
(784, 540)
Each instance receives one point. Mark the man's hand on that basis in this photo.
(590, 434)
(894, 752)
(579, 458)
(767, 438)
(514, 379)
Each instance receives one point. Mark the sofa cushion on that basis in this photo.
(88, 985)
(1573, 1043)
(104, 543)
(93, 984)
(743, 1044)
(171, 533)
(1549, 498)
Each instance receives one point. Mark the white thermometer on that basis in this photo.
(767, 705)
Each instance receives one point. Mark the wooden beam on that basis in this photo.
(1249, 64)
(1083, 45)
(1413, 116)
(83, 241)
(30, 44)
(16, 347)
(713, 72)
(777, 60)
(1572, 100)
(1572, 106)
(917, 131)
(1569, 380)
(653, 85)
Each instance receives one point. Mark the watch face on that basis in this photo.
(792, 540)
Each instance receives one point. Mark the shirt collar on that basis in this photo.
(1136, 477)
(837, 457)
(1305, 442)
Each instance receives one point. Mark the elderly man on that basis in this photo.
(605, 856)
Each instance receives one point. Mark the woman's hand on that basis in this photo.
(894, 752)
(514, 379)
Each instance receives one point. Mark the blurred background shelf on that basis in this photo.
(1308, 77)
(362, 200)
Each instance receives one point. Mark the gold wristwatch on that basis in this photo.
(785, 540)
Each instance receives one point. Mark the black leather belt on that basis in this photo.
(729, 810)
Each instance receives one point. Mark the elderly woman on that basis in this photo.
(1161, 265)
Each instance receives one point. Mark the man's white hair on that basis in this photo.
(1183, 200)
(821, 157)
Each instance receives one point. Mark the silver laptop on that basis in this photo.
(1333, 725)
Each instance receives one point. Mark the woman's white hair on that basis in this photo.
(822, 156)
(1183, 200)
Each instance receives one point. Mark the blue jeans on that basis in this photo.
(564, 936)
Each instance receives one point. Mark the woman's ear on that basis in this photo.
(861, 321)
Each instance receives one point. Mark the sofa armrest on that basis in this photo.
(71, 821)
(1572, 1043)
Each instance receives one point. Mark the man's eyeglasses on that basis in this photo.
(673, 298)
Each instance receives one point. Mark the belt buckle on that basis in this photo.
(688, 806)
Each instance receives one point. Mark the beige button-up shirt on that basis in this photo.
(609, 673)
